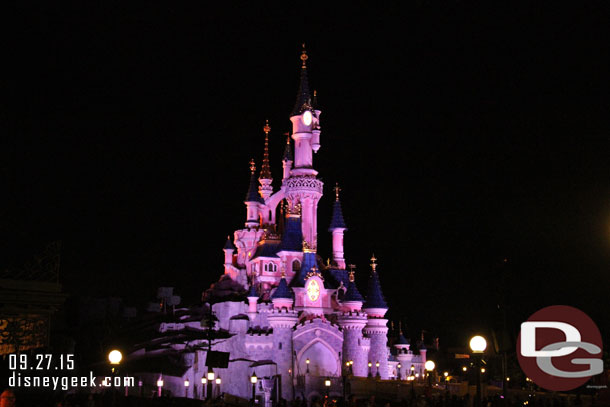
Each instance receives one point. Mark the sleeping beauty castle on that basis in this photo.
(296, 326)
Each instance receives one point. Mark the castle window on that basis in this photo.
(280, 345)
(296, 266)
(270, 267)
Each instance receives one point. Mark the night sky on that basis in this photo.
(462, 133)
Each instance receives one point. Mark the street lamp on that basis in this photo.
(370, 367)
(114, 357)
(159, 385)
(377, 369)
(429, 365)
(399, 366)
(186, 387)
(446, 375)
(218, 381)
(253, 380)
(210, 387)
(204, 385)
(307, 363)
(478, 344)
(327, 385)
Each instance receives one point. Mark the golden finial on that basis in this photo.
(337, 190)
(267, 128)
(304, 56)
(252, 166)
(374, 264)
(315, 93)
(328, 262)
(352, 276)
(283, 267)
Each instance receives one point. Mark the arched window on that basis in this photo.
(266, 267)
(296, 266)
(272, 267)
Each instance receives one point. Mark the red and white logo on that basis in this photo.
(559, 348)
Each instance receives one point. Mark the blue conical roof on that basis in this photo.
(282, 290)
(303, 101)
(252, 194)
(352, 293)
(402, 340)
(253, 292)
(374, 296)
(337, 221)
(288, 151)
(229, 245)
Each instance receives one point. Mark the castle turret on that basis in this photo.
(265, 178)
(253, 200)
(303, 187)
(229, 248)
(337, 228)
(283, 319)
(252, 301)
(287, 160)
(376, 327)
(352, 321)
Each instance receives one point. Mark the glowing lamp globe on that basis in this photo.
(430, 365)
(218, 381)
(204, 380)
(478, 344)
(327, 382)
(253, 378)
(115, 357)
(187, 383)
(160, 382)
(210, 376)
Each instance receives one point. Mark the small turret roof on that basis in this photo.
(228, 244)
(336, 221)
(402, 340)
(352, 293)
(252, 292)
(288, 151)
(252, 195)
(282, 290)
(374, 295)
(303, 101)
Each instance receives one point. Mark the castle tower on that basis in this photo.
(303, 187)
(337, 227)
(253, 200)
(352, 321)
(287, 160)
(376, 327)
(229, 248)
(265, 178)
(282, 319)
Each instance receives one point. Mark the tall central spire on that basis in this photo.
(303, 101)
(265, 168)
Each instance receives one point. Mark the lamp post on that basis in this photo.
(370, 369)
(218, 382)
(114, 357)
(186, 387)
(478, 344)
(429, 365)
(446, 376)
(327, 385)
(399, 366)
(159, 386)
(307, 363)
(377, 369)
(253, 380)
(204, 385)
(210, 385)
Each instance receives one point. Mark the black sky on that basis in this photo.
(462, 133)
